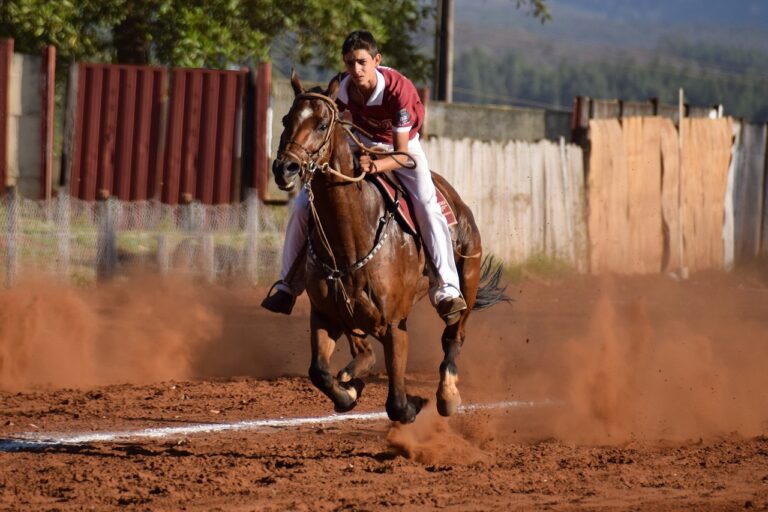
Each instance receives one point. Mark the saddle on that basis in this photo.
(395, 195)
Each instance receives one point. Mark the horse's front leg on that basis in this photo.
(363, 358)
(324, 336)
(400, 406)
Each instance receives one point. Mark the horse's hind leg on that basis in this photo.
(324, 337)
(363, 358)
(400, 406)
(448, 397)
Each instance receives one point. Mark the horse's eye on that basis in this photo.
(322, 127)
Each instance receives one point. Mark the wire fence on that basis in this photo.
(83, 241)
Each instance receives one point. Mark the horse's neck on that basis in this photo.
(347, 211)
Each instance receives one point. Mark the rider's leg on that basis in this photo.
(445, 293)
(291, 284)
(296, 233)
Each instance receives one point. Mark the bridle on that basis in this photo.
(310, 162)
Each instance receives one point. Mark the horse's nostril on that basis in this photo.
(287, 168)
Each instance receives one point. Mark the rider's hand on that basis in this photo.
(368, 164)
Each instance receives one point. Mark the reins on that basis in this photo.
(308, 165)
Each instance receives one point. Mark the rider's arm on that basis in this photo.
(384, 164)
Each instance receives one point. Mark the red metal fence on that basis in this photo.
(6, 55)
(204, 136)
(132, 140)
(117, 131)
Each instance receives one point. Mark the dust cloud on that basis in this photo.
(617, 360)
(139, 330)
(634, 359)
(432, 440)
(630, 378)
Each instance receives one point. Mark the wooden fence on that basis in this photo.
(527, 198)
(657, 198)
(748, 191)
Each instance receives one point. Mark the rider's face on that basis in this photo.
(362, 67)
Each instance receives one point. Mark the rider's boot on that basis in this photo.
(448, 306)
(279, 302)
(450, 309)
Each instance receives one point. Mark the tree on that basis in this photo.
(218, 33)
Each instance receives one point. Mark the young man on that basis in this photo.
(386, 105)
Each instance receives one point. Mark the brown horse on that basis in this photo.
(363, 273)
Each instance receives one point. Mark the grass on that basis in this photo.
(538, 266)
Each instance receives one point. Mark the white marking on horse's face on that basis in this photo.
(352, 392)
(345, 377)
(305, 114)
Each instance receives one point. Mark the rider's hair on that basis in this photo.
(360, 40)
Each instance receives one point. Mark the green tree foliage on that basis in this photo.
(710, 75)
(218, 33)
(212, 33)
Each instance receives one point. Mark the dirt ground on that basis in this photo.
(648, 394)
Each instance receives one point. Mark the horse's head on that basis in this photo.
(307, 140)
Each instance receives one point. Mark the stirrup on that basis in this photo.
(450, 309)
(279, 302)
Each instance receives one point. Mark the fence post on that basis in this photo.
(48, 94)
(209, 257)
(252, 231)
(163, 253)
(62, 237)
(262, 129)
(12, 224)
(107, 244)
(6, 60)
(190, 214)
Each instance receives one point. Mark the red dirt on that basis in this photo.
(657, 389)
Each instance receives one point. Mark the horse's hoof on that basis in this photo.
(448, 407)
(412, 409)
(344, 407)
(354, 389)
(417, 402)
(357, 384)
(448, 397)
(407, 415)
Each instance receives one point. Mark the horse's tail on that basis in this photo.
(489, 291)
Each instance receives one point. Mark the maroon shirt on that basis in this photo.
(394, 106)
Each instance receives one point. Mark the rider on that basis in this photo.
(384, 103)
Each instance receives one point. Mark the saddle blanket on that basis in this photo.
(389, 190)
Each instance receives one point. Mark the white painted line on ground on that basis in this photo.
(27, 441)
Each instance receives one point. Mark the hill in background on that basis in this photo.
(633, 50)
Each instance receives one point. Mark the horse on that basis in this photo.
(363, 273)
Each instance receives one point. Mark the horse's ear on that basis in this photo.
(333, 87)
(296, 83)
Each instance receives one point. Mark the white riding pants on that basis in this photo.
(430, 219)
